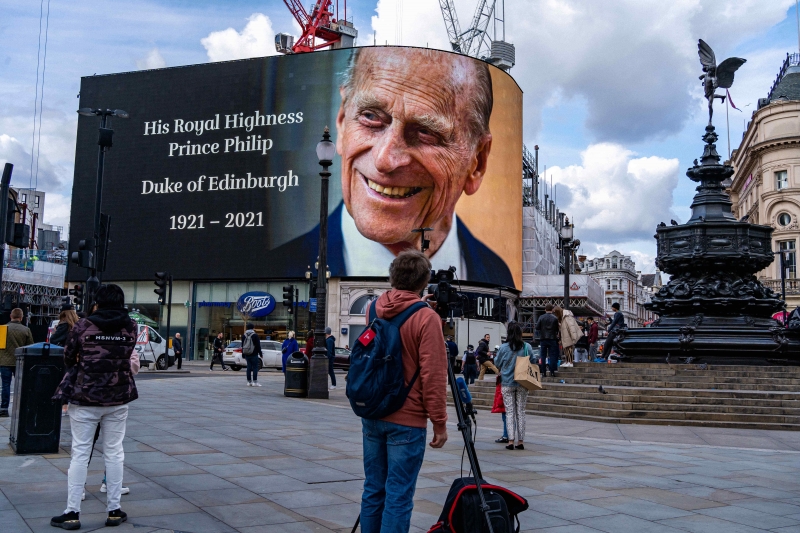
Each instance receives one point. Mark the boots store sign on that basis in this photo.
(255, 304)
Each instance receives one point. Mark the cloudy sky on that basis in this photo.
(610, 88)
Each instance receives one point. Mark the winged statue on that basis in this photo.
(716, 76)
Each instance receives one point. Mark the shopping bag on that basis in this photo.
(526, 373)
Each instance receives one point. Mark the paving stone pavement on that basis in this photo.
(206, 454)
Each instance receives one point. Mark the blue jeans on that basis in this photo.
(505, 427)
(392, 458)
(252, 367)
(6, 372)
(331, 373)
(548, 348)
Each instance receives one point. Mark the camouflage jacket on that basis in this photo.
(98, 359)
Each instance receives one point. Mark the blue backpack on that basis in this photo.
(375, 382)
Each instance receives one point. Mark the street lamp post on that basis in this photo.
(318, 365)
(567, 244)
(104, 141)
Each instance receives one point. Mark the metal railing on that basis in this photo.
(792, 285)
(792, 60)
(27, 259)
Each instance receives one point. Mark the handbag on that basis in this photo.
(526, 373)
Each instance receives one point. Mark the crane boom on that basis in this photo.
(451, 23)
(475, 35)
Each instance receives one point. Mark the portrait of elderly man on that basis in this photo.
(413, 135)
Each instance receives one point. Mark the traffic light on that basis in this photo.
(83, 257)
(161, 282)
(77, 293)
(288, 297)
(66, 301)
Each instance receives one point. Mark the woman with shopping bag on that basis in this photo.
(518, 373)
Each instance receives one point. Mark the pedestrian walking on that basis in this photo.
(484, 360)
(330, 348)
(177, 349)
(515, 396)
(251, 350)
(288, 347)
(66, 319)
(499, 407)
(99, 385)
(548, 329)
(592, 336)
(452, 351)
(17, 335)
(617, 323)
(219, 347)
(569, 331)
(469, 366)
(394, 446)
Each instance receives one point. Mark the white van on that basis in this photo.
(151, 347)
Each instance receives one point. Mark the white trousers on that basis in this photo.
(514, 400)
(83, 422)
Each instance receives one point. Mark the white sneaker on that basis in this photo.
(249, 383)
(333, 387)
(125, 490)
(256, 384)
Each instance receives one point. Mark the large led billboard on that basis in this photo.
(215, 175)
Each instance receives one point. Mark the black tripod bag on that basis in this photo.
(462, 509)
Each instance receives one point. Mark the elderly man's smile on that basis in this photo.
(392, 192)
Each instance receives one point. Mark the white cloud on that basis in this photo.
(614, 197)
(257, 39)
(57, 212)
(152, 60)
(634, 62)
(12, 151)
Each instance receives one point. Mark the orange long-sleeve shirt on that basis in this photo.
(423, 348)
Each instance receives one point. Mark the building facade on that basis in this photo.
(765, 187)
(622, 284)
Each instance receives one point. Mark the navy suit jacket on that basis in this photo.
(293, 258)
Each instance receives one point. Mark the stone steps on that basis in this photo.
(764, 397)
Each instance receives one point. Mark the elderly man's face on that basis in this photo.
(407, 155)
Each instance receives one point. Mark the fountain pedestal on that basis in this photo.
(713, 308)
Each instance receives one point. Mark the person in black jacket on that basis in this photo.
(330, 346)
(177, 349)
(219, 347)
(617, 323)
(252, 357)
(484, 360)
(452, 351)
(66, 319)
(547, 327)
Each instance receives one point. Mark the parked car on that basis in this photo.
(341, 358)
(271, 356)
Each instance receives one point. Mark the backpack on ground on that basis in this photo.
(375, 381)
(462, 510)
(248, 347)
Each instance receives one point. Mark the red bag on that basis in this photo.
(498, 406)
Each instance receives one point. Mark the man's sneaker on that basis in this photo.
(116, 517)
(3, 413)
(256, 384)
(125, 490)
(71, 520)
(333, 387)
(225, 369)
(249, 383)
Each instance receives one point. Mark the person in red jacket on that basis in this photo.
(395, 446)
(592, 338)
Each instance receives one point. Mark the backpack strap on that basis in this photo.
(373, 314)
(398, 321)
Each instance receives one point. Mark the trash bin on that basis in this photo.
(296, 383)
(35, 417)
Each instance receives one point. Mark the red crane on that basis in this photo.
(320, 25)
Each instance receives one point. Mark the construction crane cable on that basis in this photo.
(36, 94)
(41, 97)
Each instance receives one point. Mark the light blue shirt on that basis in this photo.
(506, 362)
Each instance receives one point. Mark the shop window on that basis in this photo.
(781, 179)
(359, 306)
(784, 219)
(789, 257)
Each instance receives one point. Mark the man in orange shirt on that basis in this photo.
(394, 447)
